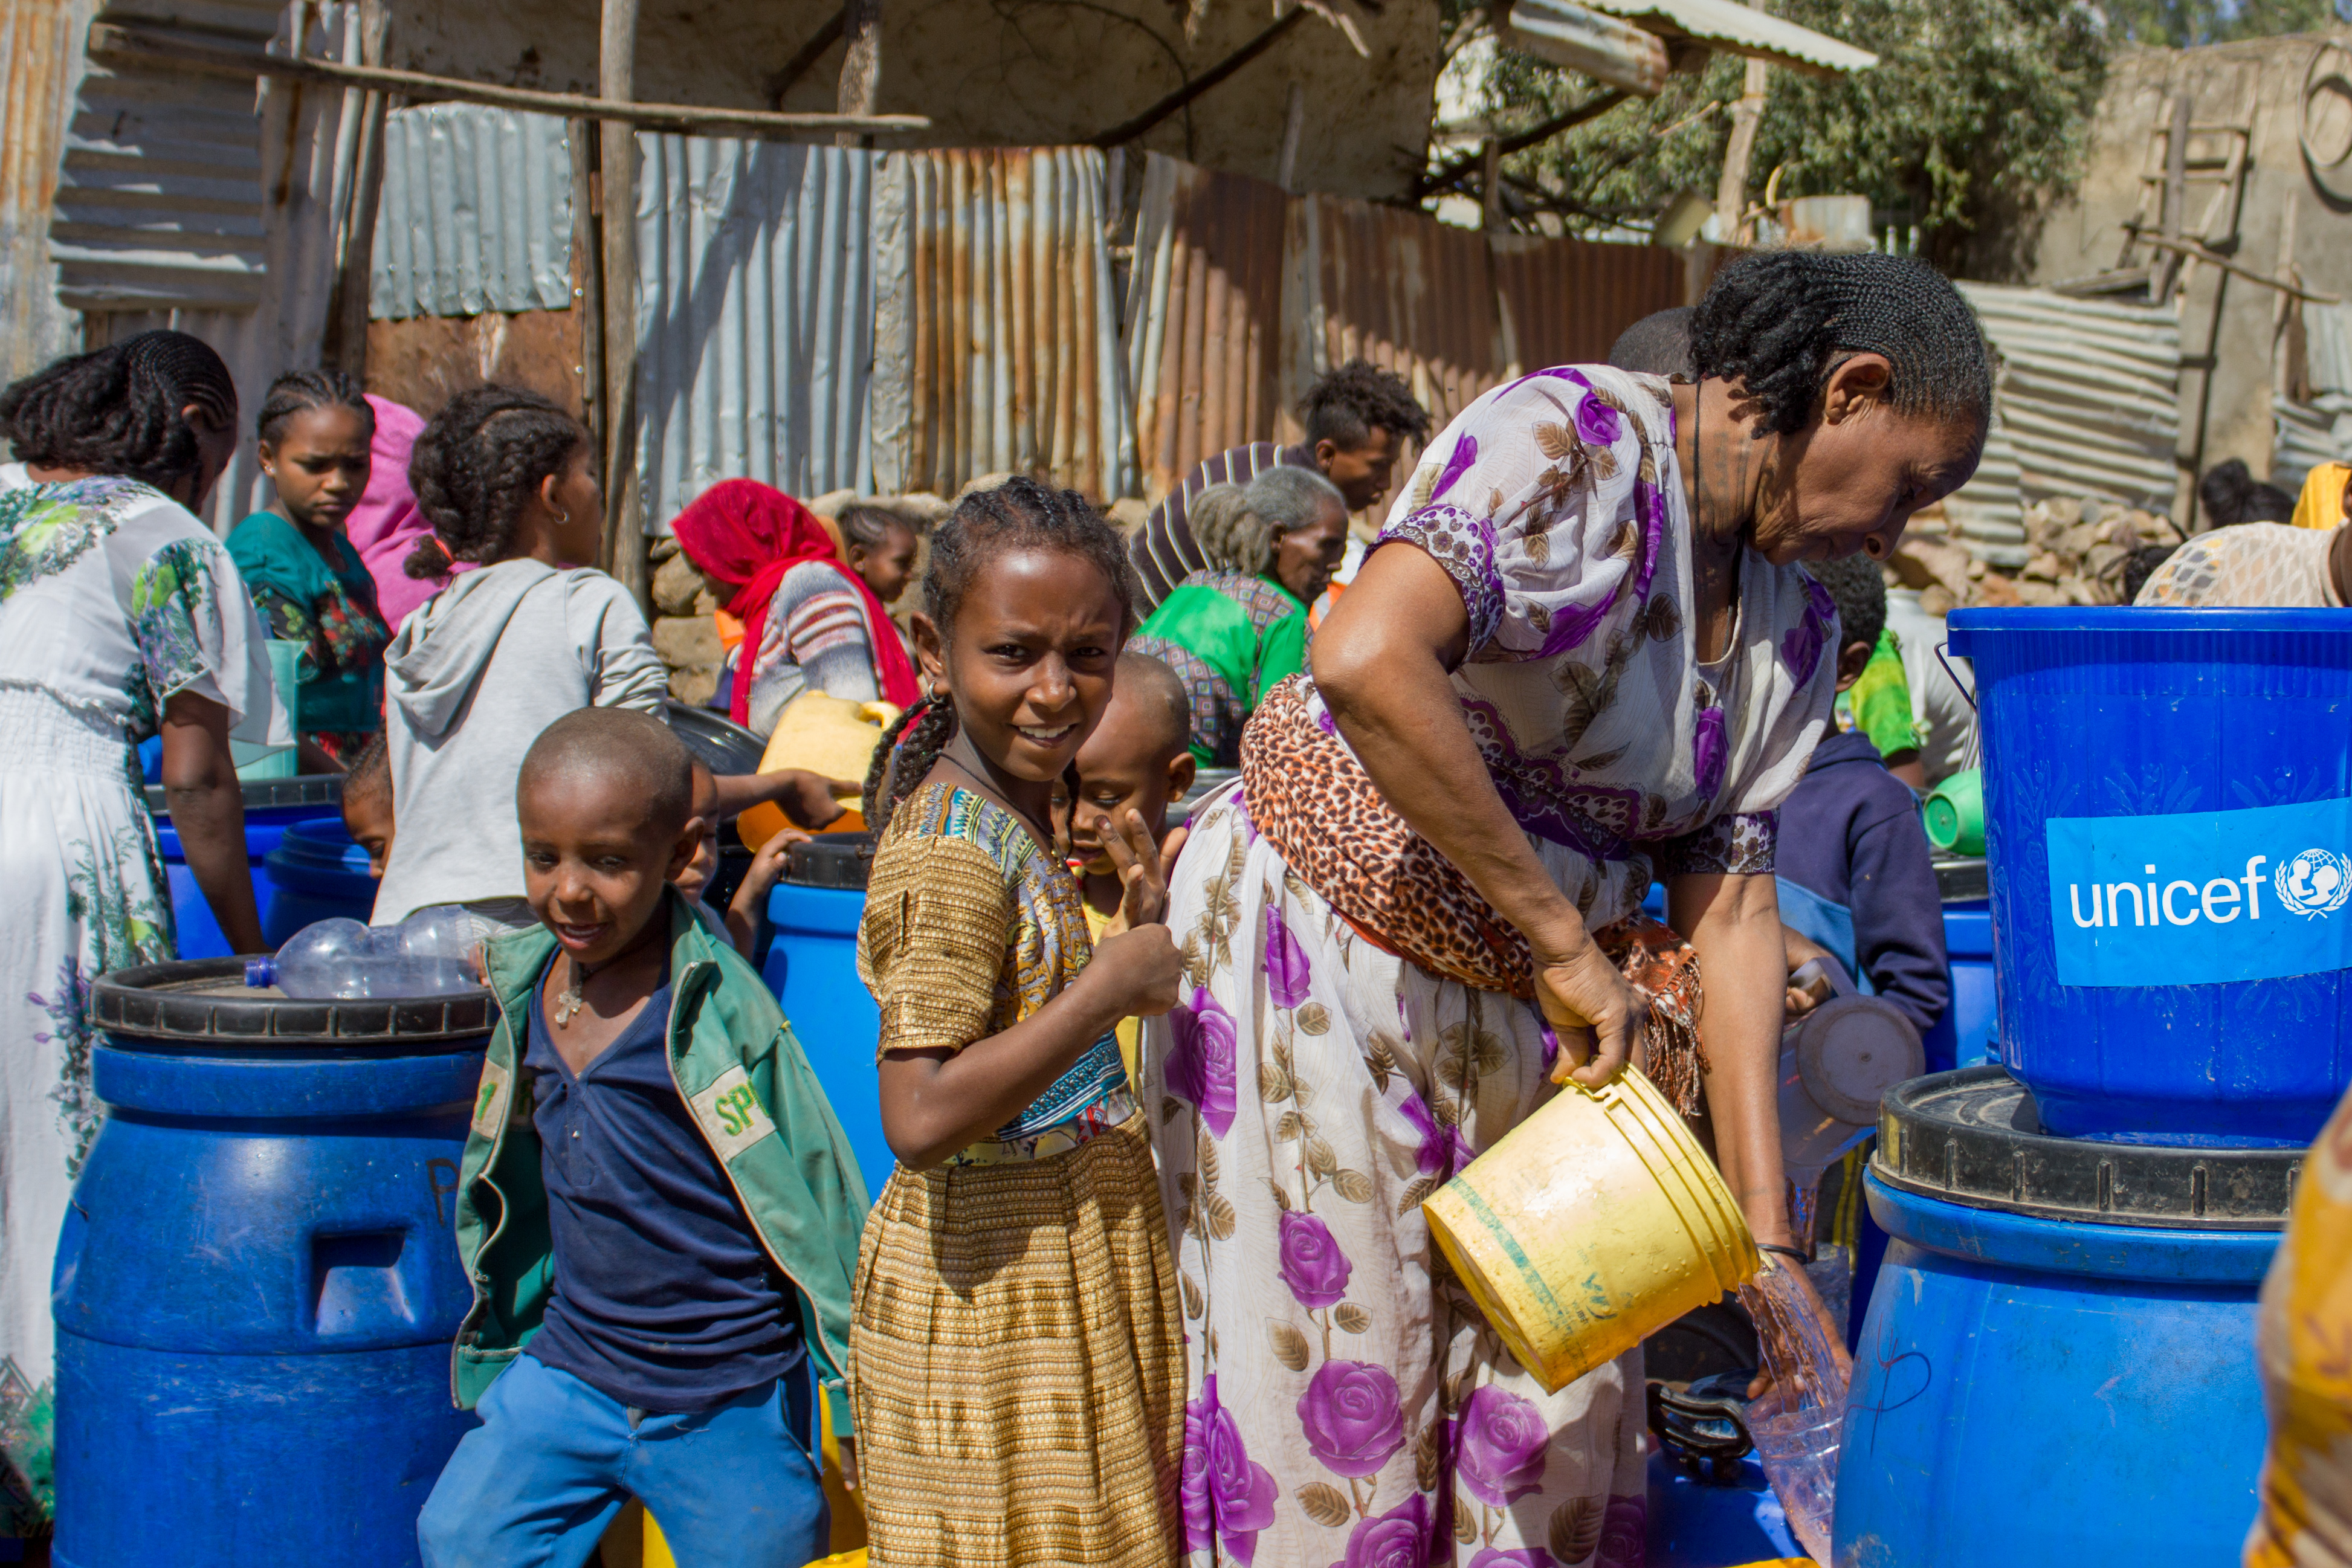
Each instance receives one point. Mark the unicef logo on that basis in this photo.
(2316, 882)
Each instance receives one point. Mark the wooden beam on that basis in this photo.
(861, 62)
(115, 45)
(625, 532)
(1130, 130)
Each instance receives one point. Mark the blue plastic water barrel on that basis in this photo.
(1694, 1523)
(2192, 770)
(2037, 1383)
(812, 965)
(317, 871)
(257, 1285)
(271, 806)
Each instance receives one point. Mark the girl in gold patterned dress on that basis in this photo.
(1017, 1359)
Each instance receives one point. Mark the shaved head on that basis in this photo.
(620, 747)
(1159, 699)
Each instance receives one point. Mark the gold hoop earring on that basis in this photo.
(562, 519)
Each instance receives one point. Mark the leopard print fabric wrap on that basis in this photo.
(1305, 792)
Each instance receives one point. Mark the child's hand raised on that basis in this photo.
(1142, 868)
(1143, 962)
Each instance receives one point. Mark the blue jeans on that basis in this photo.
(554, 1460)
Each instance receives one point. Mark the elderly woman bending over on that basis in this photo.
(1583, 654)
(1232, 632)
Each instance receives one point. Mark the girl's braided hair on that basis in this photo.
(476, 465)
(1781, 321)
(299, 391)
(116, 410)
(1020, 514)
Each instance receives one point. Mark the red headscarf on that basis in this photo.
(743, 531)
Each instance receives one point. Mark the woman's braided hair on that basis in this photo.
(476, 465)
(297, 391)
(1781, 321)
(1019, 514)
(116, 410)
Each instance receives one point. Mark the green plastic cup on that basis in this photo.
(1955, 814)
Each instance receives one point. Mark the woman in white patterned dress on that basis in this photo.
(1583, 655)
(121, 617)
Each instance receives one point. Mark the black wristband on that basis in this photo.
(1783, 1251)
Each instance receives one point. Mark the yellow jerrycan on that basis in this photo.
(1590, 1225)
(826, 735)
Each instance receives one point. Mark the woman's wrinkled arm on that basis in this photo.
(1734, 924)
(1381, 661)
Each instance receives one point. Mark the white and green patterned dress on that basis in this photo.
(113, 598)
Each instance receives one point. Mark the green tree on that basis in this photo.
(2182, 23)
(1971, 121)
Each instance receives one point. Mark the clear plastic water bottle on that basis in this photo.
(429, 955)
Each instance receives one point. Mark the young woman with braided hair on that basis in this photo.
(1018, 1257)
(120, 618)
(1583, 655)
(509, 482)
(313, 438)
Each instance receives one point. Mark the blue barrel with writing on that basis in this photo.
(271, 806)
(258, 1286)
(317, 871)
(2169, 823)
(812, 965)
(2058, 1364)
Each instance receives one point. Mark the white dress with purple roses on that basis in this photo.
(1348, 1405)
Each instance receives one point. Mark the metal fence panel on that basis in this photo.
(1204, 322)
(755, 318)
(1003, 334)
(475, 213)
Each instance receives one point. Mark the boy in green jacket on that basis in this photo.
(659, 1211)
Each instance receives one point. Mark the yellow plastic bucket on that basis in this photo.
(1592, 1224)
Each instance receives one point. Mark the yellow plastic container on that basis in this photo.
(1592, 1224)
(826, 735)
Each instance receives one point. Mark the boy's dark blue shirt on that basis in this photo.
(1849, 833)
(663, 1298)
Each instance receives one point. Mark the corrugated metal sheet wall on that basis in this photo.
(160, 203)
(1006, 334)
(755, 318)
(475, 213)
(2089, 393)
(1204, 313)
(1400, 289)
(307, 137)
(1452, 310)
(40, 61)
(2320, 430)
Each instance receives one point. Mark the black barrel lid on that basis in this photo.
(718, 742)
(831, 860)
(305, 790)
(206, 1000)
(1974, 1137)
(1962, 881)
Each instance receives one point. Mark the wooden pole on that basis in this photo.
(112, 44)
(2176, 199)
(1731, 190)
(861, 62)
(345, 345)
(624, 533)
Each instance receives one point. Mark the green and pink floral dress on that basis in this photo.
(113, 598)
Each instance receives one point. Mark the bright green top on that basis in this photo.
(329, 610)
(1879, 704)
(1229, 638)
